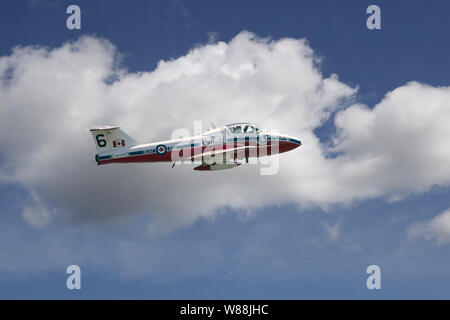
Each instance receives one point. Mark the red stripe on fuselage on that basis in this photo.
(184, 154)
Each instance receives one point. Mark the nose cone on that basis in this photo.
(288, 143)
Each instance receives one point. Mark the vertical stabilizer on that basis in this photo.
(107, 138)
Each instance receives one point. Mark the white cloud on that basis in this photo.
(48, 96)
(36, 217)
(437, 228)
(35, 213)
(399, 147)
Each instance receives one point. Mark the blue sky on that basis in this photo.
(279, 251)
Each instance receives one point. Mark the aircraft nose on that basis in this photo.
(288, 143)
(296, 142)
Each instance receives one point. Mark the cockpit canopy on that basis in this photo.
(242, 128)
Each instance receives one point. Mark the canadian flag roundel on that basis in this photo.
(161, 149)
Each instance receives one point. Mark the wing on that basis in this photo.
(224, 155)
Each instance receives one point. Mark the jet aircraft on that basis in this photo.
(220, 148)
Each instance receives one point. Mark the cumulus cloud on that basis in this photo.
(48, 96)
(398, 147)
(437, 229)
(35, 213)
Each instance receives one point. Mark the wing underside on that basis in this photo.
(222, 159)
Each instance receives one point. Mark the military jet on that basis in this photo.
(219, 148)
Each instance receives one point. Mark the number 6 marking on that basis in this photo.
(101, 142)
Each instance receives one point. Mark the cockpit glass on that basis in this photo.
(249, 129)
(242, 128)
(237, 129)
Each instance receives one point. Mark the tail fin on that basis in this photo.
(108, 138)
